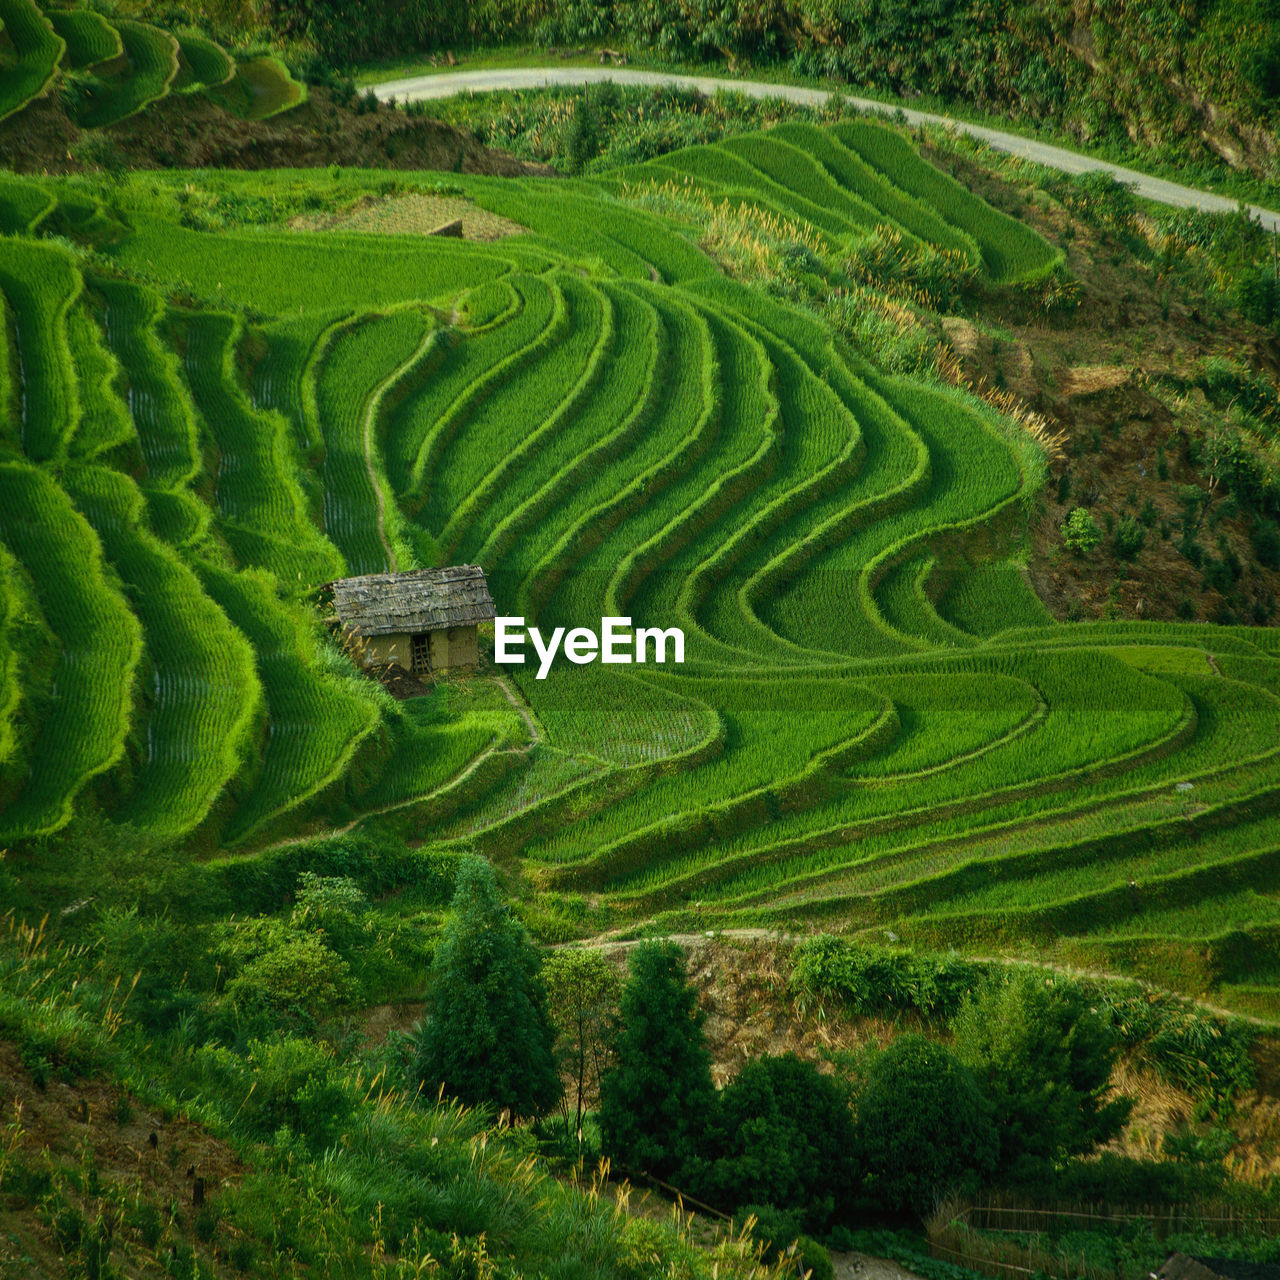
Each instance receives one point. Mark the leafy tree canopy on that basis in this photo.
(923, 1126)
(1044, 1060)
(583, 990)
(782, 1134)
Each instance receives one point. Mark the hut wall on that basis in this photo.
(464, 647)
(382, 651)
(454, 647)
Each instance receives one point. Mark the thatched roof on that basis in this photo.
(379, 604)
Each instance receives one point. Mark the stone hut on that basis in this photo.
(422, 620)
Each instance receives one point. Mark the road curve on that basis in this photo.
(447, 84)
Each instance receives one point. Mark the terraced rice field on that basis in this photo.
(124, 66)
(877, 727)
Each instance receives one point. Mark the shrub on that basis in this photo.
(1258, 295)
(1044, 1059)
(866, 978)
(782, 1134)
(1129, 538)
(923, 1127)
(287, 970)
(1266, 544)
(1080, 532)
(296, 1086)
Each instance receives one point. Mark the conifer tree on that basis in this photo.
(656, 1099)
(487, 1037)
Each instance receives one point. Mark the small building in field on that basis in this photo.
(422, 620)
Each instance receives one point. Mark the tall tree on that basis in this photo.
(655, 1099)
(583, 989)
(1044, 1059)
(487, 1037)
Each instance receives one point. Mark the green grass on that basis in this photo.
(362, 363)
(105, 422)
(151, 66)
(287, 274)
(81, 731)
(431, 741)
(160, 405)
(90, 38)
(29, 62)
(466, 373)
(1013, 253)
(261, 88)
(40, 284)
(202, 63)
(262, 507)
(199, 689)
(877, 726)
(894, 205)
(22, 205)
(317, 714)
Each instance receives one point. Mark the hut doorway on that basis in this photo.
(420, 654)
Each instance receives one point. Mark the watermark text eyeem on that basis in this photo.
(615, 642)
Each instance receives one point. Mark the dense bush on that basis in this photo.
(265, 882)
(1258, 295)
(924, 1128)
(296, 1086)
(1118, 1179)
(1206, 1056)
(781, 1134)
(346, 33)
(1129, 538)
(864, 978)
(276, 967)
(1080, 532)
(1043, 1059)
(1266, 543)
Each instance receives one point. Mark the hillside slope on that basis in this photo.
(877, 722)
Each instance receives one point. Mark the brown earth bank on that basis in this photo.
(101, 1166)
(1106, 374)
(189, 131)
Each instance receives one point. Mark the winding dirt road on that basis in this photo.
(446, 84)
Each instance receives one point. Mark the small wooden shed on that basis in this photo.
(421, 620)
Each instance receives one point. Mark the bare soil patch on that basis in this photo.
(96, 1141)
(1108, 374)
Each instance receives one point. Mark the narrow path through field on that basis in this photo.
(523, 710)
(536, 735)
(445, 85)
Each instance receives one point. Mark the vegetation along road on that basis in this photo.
(445, 85)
